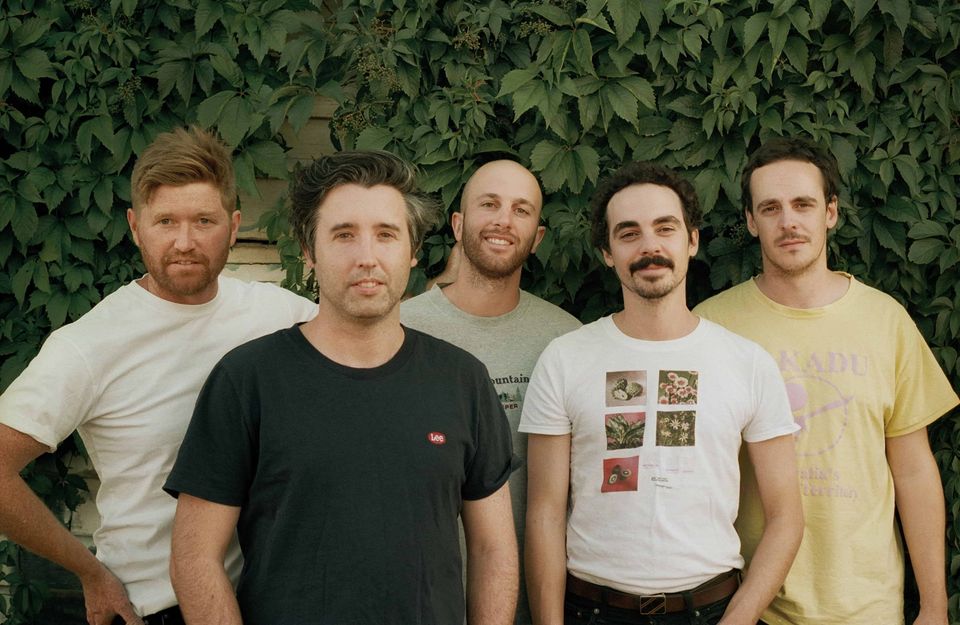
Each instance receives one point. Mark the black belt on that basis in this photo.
(167, 616)
(711, 591)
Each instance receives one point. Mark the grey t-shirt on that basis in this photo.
(509, 345)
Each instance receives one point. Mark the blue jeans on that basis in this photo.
(579, 611)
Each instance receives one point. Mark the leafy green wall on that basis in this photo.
(572, 87)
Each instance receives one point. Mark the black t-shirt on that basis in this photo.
(350, 481)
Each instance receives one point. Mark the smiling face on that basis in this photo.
(791, 217)
(499, 219)
(650, 247)
(362, 254)
(184, 235)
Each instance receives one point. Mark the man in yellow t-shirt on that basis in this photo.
(863, 386)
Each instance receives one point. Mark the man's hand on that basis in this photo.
(105, 598)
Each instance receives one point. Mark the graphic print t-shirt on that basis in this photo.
(655, 429)
(857, 371)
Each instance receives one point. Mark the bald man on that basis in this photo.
(484, 311)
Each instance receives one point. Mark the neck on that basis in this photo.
(481, 296)
(664, 319)
(362, 345)
(814, 288)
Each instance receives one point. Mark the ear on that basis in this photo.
(541, 230)
(607, 257)
(132, 222)
(234, 227)
(833, 212)
(307, 258)
(751, 223)
(456, 222)
(694, 242)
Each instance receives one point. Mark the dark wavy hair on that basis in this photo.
(641, 172)
(791, 149)
(367, 169)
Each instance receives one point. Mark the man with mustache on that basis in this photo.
(863, 385)
(126, 376)
(343, 450)
(635, 422)
(484, 311)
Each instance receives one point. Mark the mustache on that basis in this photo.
(193, 258)
(792, 238)
(646, 261)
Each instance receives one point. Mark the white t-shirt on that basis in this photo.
(652, 508)
(126, 376)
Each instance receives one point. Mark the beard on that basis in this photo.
(491, 266)
(185, 281)
(652, 289)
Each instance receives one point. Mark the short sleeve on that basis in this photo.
(52, 396)
(772, 416)
(923, 392)
(217, 456)
(544, 409)
(493, 460)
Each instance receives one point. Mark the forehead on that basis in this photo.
(506, 180)
(194, 196)
(787, 178)
(361, 206)
(643, 203)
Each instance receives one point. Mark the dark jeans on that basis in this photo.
(579, 611)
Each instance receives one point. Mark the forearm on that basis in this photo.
(769, 567)
(921, 505)
(204, 591)
(27, 521)
(492, 585)
(545, 562)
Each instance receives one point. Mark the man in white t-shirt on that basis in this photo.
(634, 524)
(126, 377)
(498, 227)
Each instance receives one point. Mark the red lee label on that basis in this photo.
(437, 438)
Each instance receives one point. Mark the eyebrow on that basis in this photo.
(494, 196)
(347, 225)
(623, 225)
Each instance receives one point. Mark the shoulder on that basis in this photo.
(424, 304)
(731, 344)
(724, 301)
(262, 292)
(436, 353)
(546, 311)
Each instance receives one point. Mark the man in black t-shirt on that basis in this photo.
(342, 450)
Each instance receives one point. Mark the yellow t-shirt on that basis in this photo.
(857, 371)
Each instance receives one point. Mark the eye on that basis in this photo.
(166, 221)
(205, 221)
(343, 235)
(520, 210)
(387, 234)
(488, 204)
(629, 235)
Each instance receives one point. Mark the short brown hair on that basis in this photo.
(180, 157)
(642, 172)
(791, 149)
(312, 184)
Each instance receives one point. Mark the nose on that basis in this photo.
(788, 219)
(504, 216)
(184, 241)
(366, 254)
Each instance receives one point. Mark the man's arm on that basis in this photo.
(202, 531)
(492, 561)
(775, 465)
(545, 552)
(29, 523)
(919, 496)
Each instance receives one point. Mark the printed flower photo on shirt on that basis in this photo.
(676, 429)
(625, 429)
(620, 474)
(626, 388)
(677, 388)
